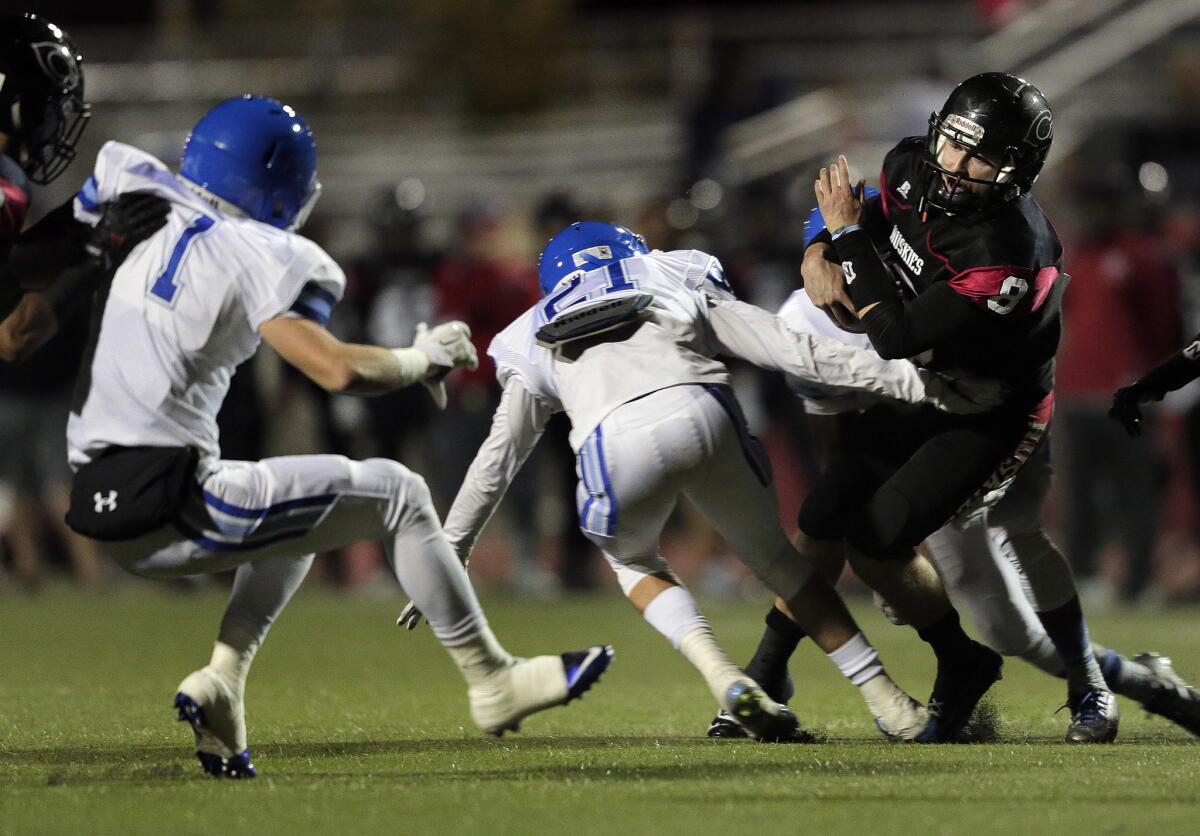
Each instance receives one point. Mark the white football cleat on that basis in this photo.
(896, 714)
(214, 708)
(531, 685)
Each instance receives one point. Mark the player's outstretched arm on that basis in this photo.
(757, 336)
(1178, 370)
(517, 425)
(351, 368)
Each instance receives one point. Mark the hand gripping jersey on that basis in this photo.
(183, 311)
(1007, 262)
(669, 344)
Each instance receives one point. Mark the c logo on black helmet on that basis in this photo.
(1042, 127)
(58, 64)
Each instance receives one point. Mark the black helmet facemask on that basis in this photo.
(995, 117)
(42, 109)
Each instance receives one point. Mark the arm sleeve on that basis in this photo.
(516, 427)
(897, 329)
(1178, 370)
(868, 279)
(744, 331)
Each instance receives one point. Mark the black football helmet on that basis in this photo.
(41, 95)
(1001, 119)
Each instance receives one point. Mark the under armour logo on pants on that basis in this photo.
(105, 503)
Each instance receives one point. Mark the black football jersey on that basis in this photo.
(1006, 261)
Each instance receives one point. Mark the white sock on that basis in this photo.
(857, 660)
(701, 649)
(232, 663)
(674, 613)
(479, 656)
(260, 592)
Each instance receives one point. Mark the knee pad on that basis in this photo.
(825, 512)
(880, 530)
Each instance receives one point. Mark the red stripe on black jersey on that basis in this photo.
(888, 197)
(982, 283)
(1043, 283)
(14, 206)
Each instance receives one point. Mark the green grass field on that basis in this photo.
(357, 727)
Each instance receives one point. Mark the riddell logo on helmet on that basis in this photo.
(592, 255)
(971, 131)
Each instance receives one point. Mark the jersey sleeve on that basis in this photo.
(121, 168)
(697, 271)
(300, 280)
(517, 355)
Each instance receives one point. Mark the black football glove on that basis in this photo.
(1126, 408)
(126, 222)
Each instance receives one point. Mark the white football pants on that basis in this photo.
(269, 517)
(687, 440)
(1000, 565)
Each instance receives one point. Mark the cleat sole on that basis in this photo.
(237, 768)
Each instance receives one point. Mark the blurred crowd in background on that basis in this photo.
(1123, 189)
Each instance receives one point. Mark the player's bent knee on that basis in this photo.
(630, 569)
(630, 576)
(882, 530)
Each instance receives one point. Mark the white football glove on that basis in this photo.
(410, 617)
(448, 346)
(962, 395)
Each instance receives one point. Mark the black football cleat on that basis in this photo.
(957, 690)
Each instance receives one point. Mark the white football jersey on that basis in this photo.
(590, 378)
(803, 317)
(184, 311)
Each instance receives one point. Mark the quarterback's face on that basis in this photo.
(957, 158)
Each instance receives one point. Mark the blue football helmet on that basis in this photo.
(258, 155)
(585, 246)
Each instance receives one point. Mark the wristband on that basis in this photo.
(414, 364)
(840, 231)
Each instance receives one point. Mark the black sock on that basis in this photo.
(768, 667)
(947, 638)
(1066, 628)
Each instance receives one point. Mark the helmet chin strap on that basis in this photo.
(211, 199)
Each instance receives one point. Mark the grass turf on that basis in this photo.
(357, 727)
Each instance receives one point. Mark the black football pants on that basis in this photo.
(903, 473)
